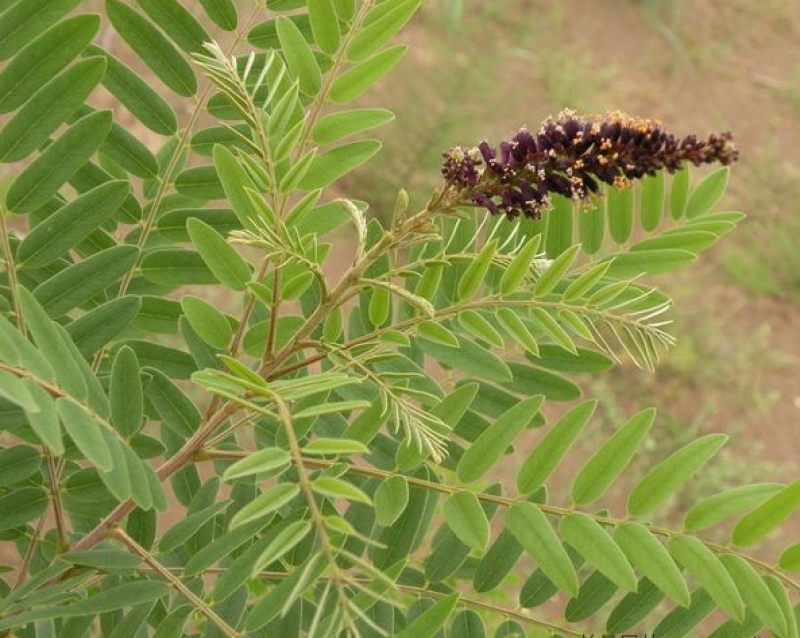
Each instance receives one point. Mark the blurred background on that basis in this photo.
(479, 69)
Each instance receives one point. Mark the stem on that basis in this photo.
(26, 562)
(11, 268)
(313, 508)
(171, 578)
(58, 511)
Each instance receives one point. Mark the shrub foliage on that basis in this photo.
(207, 432)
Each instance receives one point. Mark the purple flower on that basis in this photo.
(571, 156)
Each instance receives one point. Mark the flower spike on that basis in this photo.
(572, 155)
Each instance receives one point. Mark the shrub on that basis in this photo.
(207, 433)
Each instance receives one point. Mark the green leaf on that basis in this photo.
(172, 224)
(719, 507)
(497, 563)
(493, 442)
(516, 328)
(558, 236)
(651, 558)
(680, 621)
(648, 262)
(130, 154)
(51, 342)
(517, 271)
(158, 53)
(663, 481)
(336, 488)
(286, 540)
(755, 592)
(467, 624)
(322, 447)
(222, 12)
(171, 626)
(136, 94)
(271, 500)
(337, 126)
(264, 461)
(767, 516)
(556, 271)
(175, 267)
(18, 463)
(437, 333)
(331, 408)
(335, 164)
(611, 460)
(105, 559)
(701, 563)
(125, 393)
(265, 35)
(200, 183)
(71, 224)
(236, 182)
(707, 193)
(14, 390)
(679, 193)
(23, 21)
(590, 540)
(586, 282)
(480, 328)
(94, 329)
(377, 33)
(476, 272)
(356, 81)
(50, 107)
(80, 282)
(595, 593)
(209, 323)
(299, 57)
(41, 59)
(391, 499)
(652, 201)
(635, 607)
(619, 208)
(694, 241)
(38, 182)
(22, 506)
(546, 456)
(470, 358)
(550, 326)
(222, 259)
(592, 226)
(85, 433)
(790, 558)
(44, 422)
(324, 25)
(429, 622)
(533, 531)
(465, 516)
(177, 411)
(178, 23)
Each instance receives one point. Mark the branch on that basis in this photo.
(171, 578)
(503, 501)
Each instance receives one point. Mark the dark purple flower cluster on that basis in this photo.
(571, 156)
